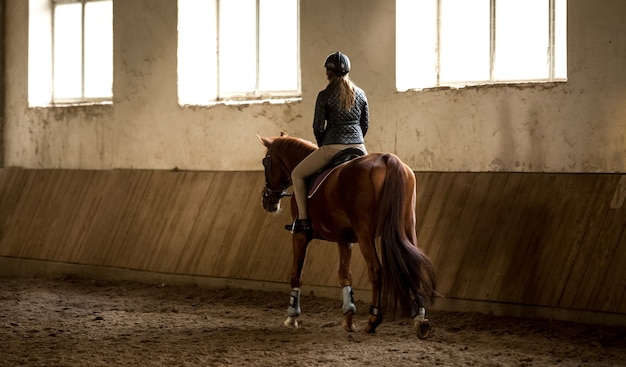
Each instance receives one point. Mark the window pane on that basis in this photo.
(457, 43)
(416, 44)
(40, 53)
(278, 45)
(560, 42)
(68, 51)
(237, 50)
(98, 49)
(197, 48)
(522, 40)
(465, 52)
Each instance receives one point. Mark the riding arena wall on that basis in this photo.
(540, 245)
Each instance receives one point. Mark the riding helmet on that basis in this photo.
(338, 63)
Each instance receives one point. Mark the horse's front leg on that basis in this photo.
(345, 279)
(300, 242)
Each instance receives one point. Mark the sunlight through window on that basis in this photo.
(458, 42)
(237, 52)
(522, 55)
(39, 53)
(98, 49)
(464, 41)
(82, 51)
(197, 45)
(237, 49)
(278, 58)
(416, 57)
(68, 51)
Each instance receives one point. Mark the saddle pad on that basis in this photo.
(319, 179)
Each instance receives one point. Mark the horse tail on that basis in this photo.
(407, 272)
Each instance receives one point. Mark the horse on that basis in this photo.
(367, 199)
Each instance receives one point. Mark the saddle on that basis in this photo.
(340, 158)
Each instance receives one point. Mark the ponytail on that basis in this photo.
(347, 94)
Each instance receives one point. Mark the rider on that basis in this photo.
(341, 121)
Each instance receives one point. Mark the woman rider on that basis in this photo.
(341, 121)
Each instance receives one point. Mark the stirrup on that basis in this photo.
(299, 225)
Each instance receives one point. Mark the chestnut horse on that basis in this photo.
(370, 197)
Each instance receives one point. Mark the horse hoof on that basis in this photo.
(424, 329)
(350, 329)
(373, 322)
(291, 322)
(370, 329)
(347, 323)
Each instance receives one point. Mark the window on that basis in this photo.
(459, 42)
(70, 51)
(237, 50)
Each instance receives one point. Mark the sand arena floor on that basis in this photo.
(78, 322)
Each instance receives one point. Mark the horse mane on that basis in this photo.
(296, 147)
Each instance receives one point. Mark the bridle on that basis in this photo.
(269, 193)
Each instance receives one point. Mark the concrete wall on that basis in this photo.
(578, 126)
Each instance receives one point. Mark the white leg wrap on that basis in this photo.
(294, 303)
(348, 300)
(421, 315)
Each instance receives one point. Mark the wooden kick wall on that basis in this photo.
(549, 240)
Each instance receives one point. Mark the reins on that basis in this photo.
(267, 191)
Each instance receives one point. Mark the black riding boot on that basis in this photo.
(299, 225)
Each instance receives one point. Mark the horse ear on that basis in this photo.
(265, 141)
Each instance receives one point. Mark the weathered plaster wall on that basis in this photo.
(578, 126)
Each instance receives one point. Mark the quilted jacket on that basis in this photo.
(332, 125)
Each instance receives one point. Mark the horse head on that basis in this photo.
(277, 176)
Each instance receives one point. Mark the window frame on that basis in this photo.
(258, 94)
(59, 101)
(551, 52)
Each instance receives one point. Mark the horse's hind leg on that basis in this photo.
(421, 324)
(300, 242)
(345, 279)
(368, 249)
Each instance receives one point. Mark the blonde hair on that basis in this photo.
(347, 94)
